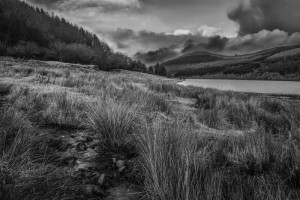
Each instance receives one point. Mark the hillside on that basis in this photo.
(32, 33)
(279, 63)
(72, 132)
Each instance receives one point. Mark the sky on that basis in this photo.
(157, 30)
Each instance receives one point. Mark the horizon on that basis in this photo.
(173, 28)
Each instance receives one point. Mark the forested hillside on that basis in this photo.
(32, 33)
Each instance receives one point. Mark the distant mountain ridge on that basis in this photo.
(278, 63)
(202, 56)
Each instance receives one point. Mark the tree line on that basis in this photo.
(32, 33)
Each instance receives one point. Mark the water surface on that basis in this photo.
(267, 87)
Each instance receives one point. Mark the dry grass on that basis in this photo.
(176, 159)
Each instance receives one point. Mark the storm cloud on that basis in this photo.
(269, 15)
(160, 55)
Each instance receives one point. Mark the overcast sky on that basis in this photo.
(155, 27)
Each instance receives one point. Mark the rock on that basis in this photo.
(121, 169)
(81, 147)
(120, 163)
(101, 179)
(114, 160)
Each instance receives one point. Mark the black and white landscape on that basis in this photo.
(149, 99)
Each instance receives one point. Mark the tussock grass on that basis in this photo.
(16, 132)
(180, 164)
(114, 122)
(63, 110)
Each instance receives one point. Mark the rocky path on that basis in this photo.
(103, 174)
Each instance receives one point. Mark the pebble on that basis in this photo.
(121, 169)
(101, 179)
(120, 163)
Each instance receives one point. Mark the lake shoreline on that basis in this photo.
(196, 77)
(289, 89)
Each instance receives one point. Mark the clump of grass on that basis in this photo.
(113, 121)
(23, 71)
(63, 110)
(40, 181)
(16, 132)
(46, 72)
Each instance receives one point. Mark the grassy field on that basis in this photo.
(71, 132)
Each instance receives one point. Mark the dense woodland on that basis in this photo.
(31, 33)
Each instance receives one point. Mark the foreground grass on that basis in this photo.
(225, 146)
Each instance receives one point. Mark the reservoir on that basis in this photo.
(256, 86)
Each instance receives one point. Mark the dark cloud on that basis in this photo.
(160, 55)
(214, 43)
(267, 15)
(217, 43)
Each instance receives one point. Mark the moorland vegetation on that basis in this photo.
(176, 142)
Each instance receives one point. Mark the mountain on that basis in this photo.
(31, 33)
(275, 63)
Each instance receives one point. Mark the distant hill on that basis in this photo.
(195, 57)
(282, 63)
(31, 33)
